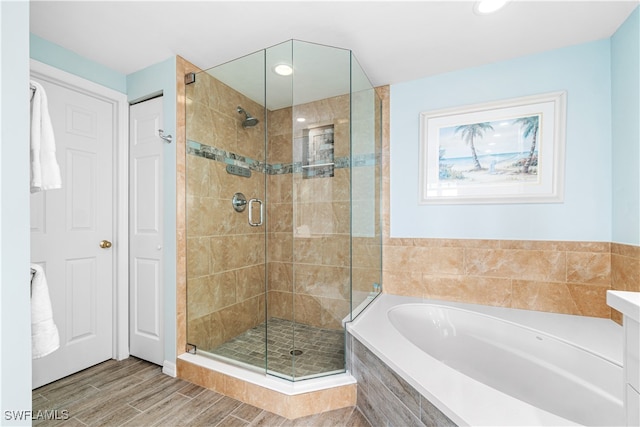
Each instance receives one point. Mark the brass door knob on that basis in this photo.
(105, 244)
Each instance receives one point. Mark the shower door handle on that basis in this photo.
(251, 202)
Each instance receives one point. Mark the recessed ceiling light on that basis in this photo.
(485, 7)
(301, 119)
(283, 69)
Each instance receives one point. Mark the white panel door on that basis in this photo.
(145, 250)
(67, 226)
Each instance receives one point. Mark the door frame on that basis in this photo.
(120, 202)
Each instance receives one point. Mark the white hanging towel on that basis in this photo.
(45, 172)
(44, 332)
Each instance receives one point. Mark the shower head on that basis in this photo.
(249, 120)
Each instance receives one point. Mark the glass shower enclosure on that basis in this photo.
(283, 208)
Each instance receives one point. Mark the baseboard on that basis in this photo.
(169, 368)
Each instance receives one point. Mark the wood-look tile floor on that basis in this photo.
(134, 392)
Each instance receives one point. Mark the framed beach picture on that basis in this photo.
(509, 151)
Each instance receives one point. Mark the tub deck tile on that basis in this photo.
(431, 416)
(372, 367)
(408, 395)
(384, 398)
(368, 407)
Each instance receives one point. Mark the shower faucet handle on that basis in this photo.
(239, 202)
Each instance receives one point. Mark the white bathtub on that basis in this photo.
(485, 365)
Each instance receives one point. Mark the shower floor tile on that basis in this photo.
(322, 350)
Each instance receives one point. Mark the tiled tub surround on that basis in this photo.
(625, 271)
(384, 397)
(552, 276)
(399, 384)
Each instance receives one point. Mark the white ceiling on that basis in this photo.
(394, 41)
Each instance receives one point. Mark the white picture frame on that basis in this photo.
(508, 151)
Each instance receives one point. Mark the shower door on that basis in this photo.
(225, 239)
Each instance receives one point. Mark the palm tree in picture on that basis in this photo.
(529, 126)
(469, 134)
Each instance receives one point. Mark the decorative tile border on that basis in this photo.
(205, 151)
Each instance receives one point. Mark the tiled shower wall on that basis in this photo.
(553, 276)
(280, 217)
(225, 268)
(317, 291)
(225, 256)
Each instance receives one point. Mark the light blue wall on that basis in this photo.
(625, 84)
(585, 215)
(15, 309)
(161, 78)
(52, 54)
(155, 79)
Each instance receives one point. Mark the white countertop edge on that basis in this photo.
(627, 303)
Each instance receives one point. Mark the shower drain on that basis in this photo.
(295, 352)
